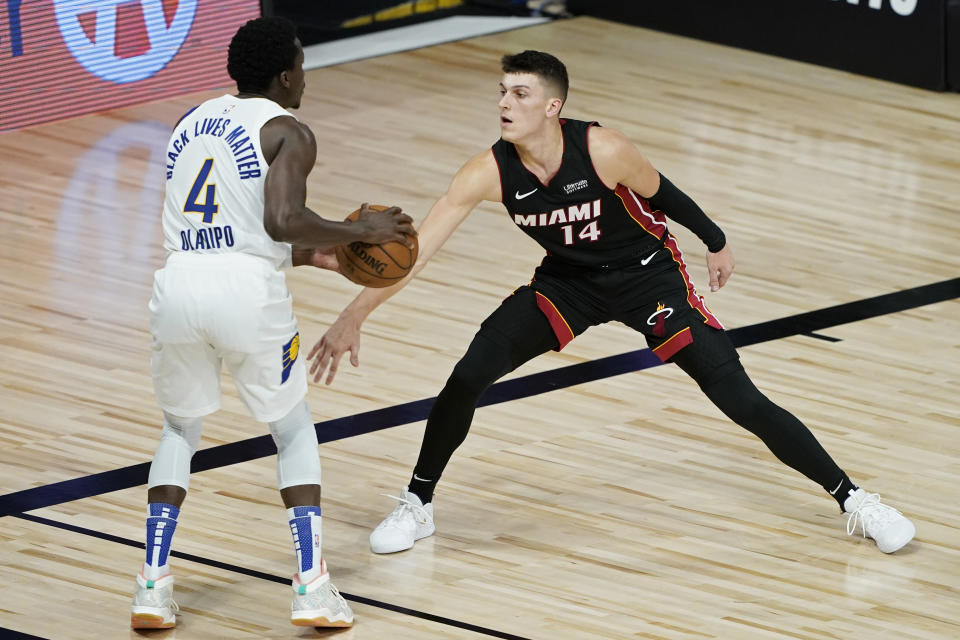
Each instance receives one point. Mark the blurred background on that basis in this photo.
(109, 54)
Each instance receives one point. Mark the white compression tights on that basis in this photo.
(178, 442)
(298, 461)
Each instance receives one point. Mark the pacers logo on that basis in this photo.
(290, 352)
(124, 41)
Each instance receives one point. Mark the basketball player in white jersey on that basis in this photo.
(233, 215)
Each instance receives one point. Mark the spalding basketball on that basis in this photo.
(376, 265)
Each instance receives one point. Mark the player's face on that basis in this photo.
(525, 105)
(296, 79)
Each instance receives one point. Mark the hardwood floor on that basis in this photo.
(624, 507)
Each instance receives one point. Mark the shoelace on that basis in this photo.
(174, 606)
(332, 589)
(419, 513)
(871, 509)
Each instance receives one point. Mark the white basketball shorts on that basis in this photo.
(234, 309)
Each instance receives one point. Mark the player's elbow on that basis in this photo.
(277, 224)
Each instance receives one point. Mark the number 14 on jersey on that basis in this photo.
(590, 232)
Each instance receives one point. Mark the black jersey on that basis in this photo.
(574, 216)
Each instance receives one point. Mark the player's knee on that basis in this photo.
(467, 381)
(749, 409)
(485, 362)
(298, 461)
(178, 442)
(741, 401)
(189, 430)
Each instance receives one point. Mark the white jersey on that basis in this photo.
(215, 178)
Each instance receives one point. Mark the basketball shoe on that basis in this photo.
(887, 526)
(153, 606)
(410, 521)
(319, 604)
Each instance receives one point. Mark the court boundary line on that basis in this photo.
(804, 324)
(262, 575)
(522, 387)
(13, 634)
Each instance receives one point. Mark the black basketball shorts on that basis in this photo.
(653, 295)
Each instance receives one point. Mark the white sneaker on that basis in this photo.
(887, 526)
(319, 604)
(409, 522)
(153, 606)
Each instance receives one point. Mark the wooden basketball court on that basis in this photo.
(623, 507)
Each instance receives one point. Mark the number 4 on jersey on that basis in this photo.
(209, 206)
(590, 232)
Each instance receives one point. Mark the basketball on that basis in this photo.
(376, 265)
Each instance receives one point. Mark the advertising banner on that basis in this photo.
(64, 58)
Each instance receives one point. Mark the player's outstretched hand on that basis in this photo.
(389, 225)
(341, 337)
(720, 267)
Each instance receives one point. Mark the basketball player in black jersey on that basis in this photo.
(596, 204)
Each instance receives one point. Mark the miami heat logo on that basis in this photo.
(657, 318)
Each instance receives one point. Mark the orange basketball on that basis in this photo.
(376, 265)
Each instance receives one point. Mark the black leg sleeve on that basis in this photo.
(452, 413)
(515, 333)
(732, 391)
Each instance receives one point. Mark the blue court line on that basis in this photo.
(802, 324)
(522, 387)
(10, 634)
(820, 336)
(267, 576)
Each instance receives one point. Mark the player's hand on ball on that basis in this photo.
(341, 337)
(386, 225)
(378, 265)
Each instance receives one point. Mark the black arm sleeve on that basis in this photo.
(680, 207)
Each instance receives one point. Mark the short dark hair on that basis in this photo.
(541, 64)
(260, 51)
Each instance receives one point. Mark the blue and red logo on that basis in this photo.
(63, 58)
(123, 41)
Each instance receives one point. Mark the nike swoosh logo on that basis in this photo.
(416, 477)
(521, 197)
(649, 258)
